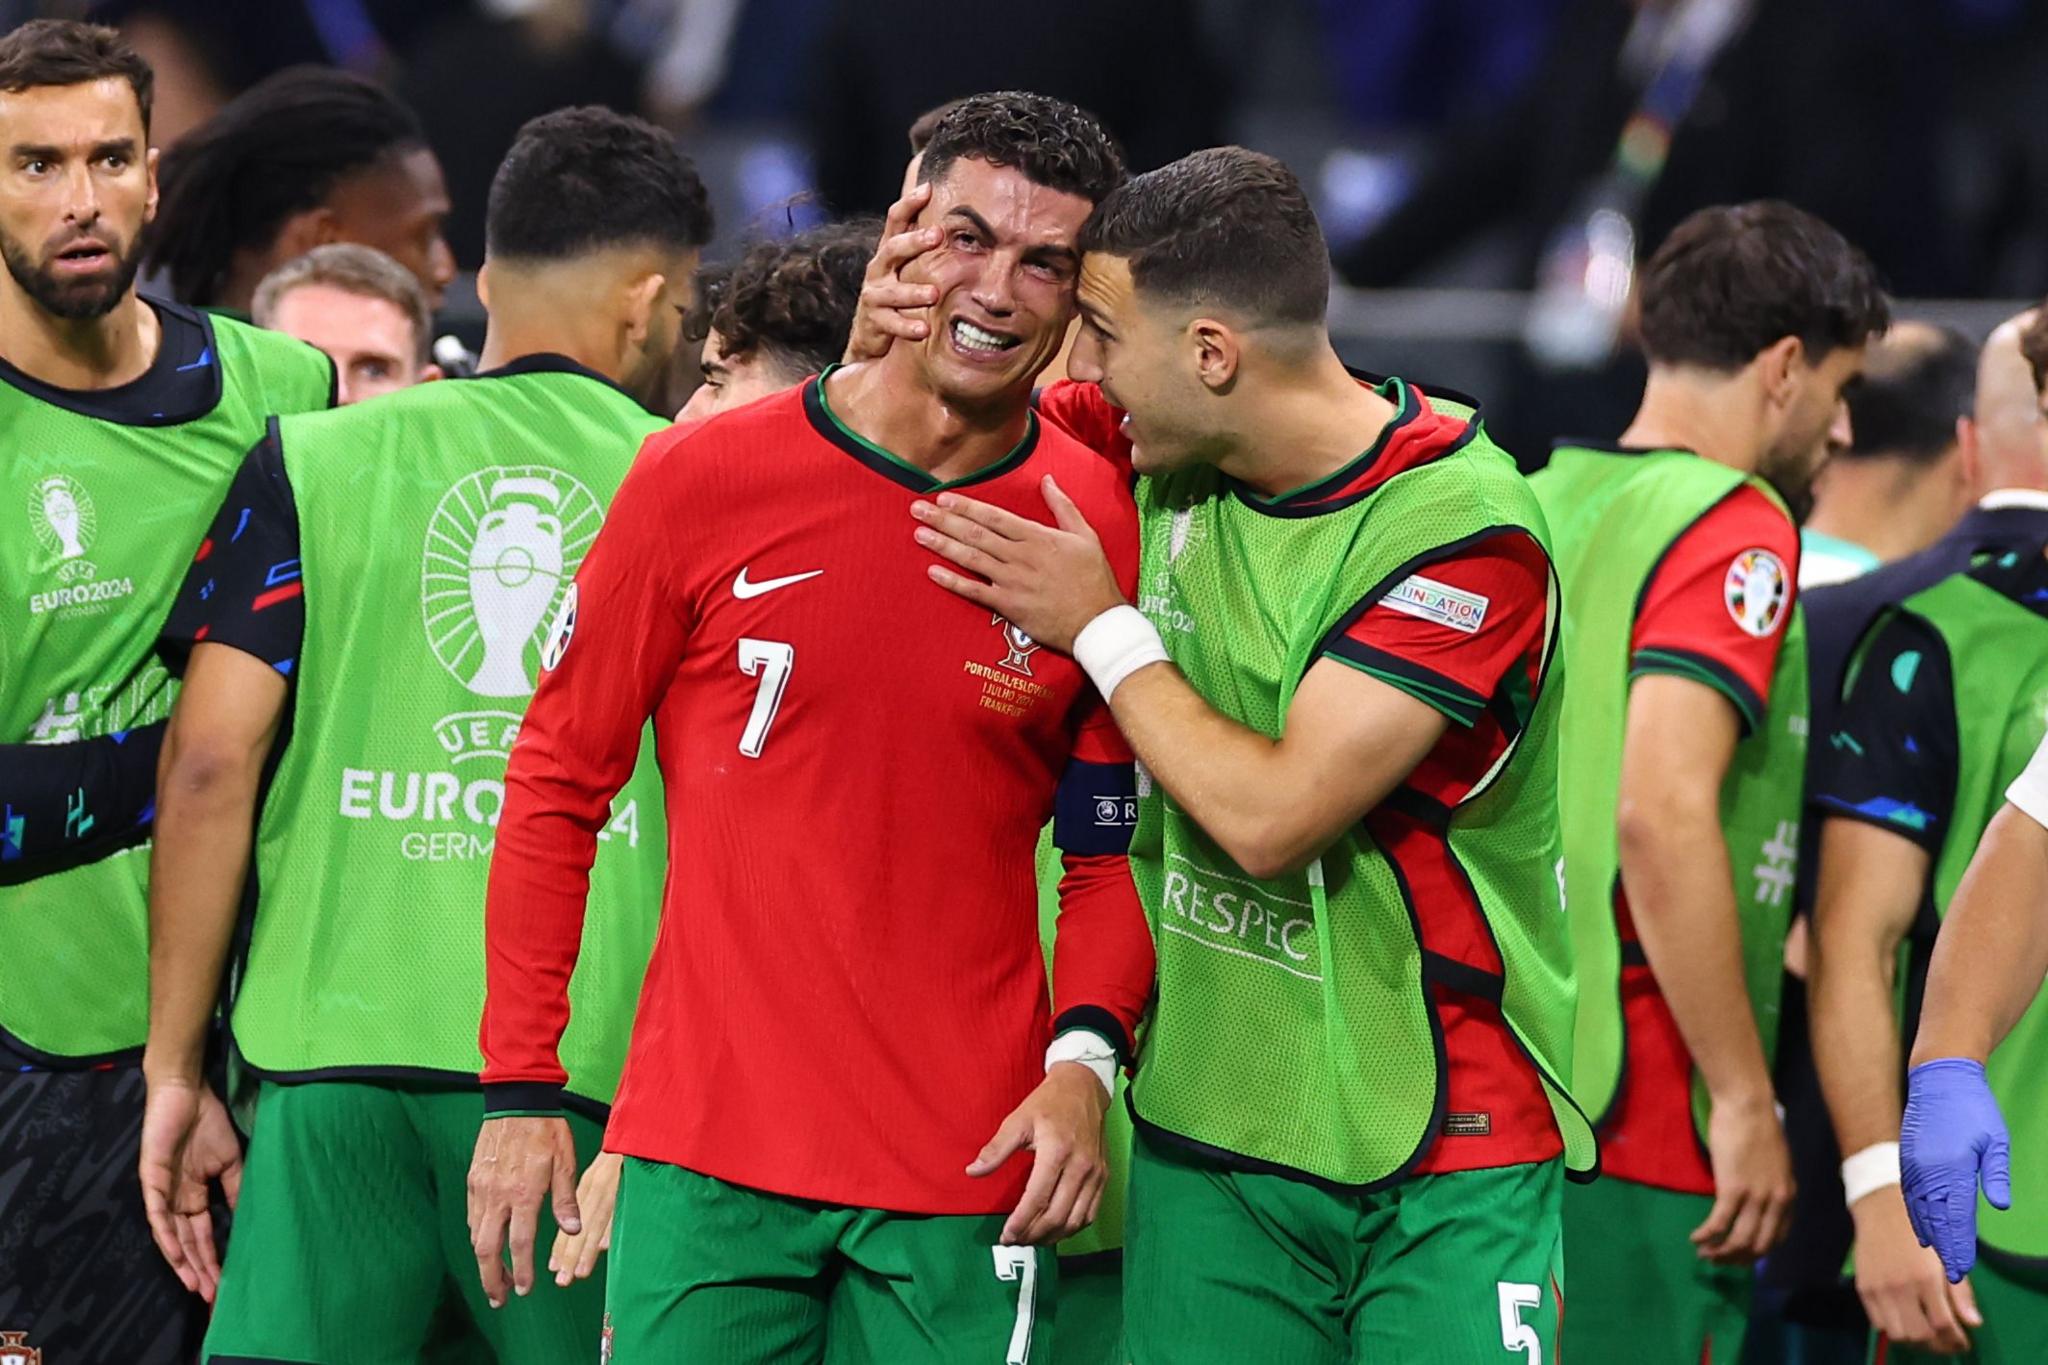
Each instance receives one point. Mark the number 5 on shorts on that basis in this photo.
(1516, 1335)
(1020, 1264)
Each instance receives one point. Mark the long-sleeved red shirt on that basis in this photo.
(847, 995)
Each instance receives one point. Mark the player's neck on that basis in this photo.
(1712, 415)
(105, 352)
(1305, 425)
(510, 339)
(893, 407)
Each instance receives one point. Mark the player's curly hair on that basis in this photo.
(1055, 144)
(790, 300)
(1733, 279)
(2034, 346)
(277, 149)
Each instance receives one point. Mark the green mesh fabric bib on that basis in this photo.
(440, 528)
(1294, 1025)
(1999, 659)
(98, 523)
(1615, 515)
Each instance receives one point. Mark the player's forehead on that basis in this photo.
(1015, 208)
(88, 114)
(336, 317)
(1105, 288)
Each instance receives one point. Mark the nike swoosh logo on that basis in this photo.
(742, 589)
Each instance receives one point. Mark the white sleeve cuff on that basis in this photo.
(1090, 1049)
(1115, 645)
(2029, 791)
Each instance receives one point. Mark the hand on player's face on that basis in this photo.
(518, 1162)
(1060, 1123)
(892, 307)
(1004, 269)
(1047, 581)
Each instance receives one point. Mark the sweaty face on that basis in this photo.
(1143, 360)
(76, 190)
(1802, 447)
(733, 381)
(370, 340)
(1004, 268)
(398, 206)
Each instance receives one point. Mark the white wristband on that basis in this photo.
(1115, 645)
(1873, 1168)
(1090, 1049)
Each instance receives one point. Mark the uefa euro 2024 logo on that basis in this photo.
(62, 515)
(501, 547)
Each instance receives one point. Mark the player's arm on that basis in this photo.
(1989, 962)
(62, 802)
(233, 632)
(615, 647)
(1884, 789)
(1701, 676)
(1272, 804)
(1102, 978)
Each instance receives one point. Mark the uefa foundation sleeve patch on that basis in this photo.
(560, 632)
(1429, 600)
(1757, 590)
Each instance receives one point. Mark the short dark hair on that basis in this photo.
(1224, 226)
(588, 179)
(275, 150)
(792, 299)
(2034, 346)
(927, 123)
(1733, 279)
(1913, 388)
(1055, 144)
(65, 52)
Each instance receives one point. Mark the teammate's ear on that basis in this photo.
(638, 314)
(1779, 364)
(149, 163)
(301, 232)
(1217, 353)
(483, 285)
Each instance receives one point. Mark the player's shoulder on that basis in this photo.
(244, 343)
(1080, 469)
(1747, 518)
(733, 440)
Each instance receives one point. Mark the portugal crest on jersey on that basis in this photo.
(15, 1350)
(1021, 647)
(1756, 591)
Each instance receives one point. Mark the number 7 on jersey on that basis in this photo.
(770, 661)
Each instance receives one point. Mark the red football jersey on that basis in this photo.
(847, 995)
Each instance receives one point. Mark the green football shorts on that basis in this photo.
(705, 1270)
(1639, 1288)
(351, 1239)
(1224, 1266)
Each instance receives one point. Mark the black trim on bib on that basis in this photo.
(178, 386)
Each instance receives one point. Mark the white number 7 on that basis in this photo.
(1020, 1264)
(1516, 1335)
(772, 661)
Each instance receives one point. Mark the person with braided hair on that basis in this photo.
(303, 158)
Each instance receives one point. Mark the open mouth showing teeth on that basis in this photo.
(979, 340)
(82, 253)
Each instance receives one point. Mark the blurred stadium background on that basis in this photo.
(1464, 153)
